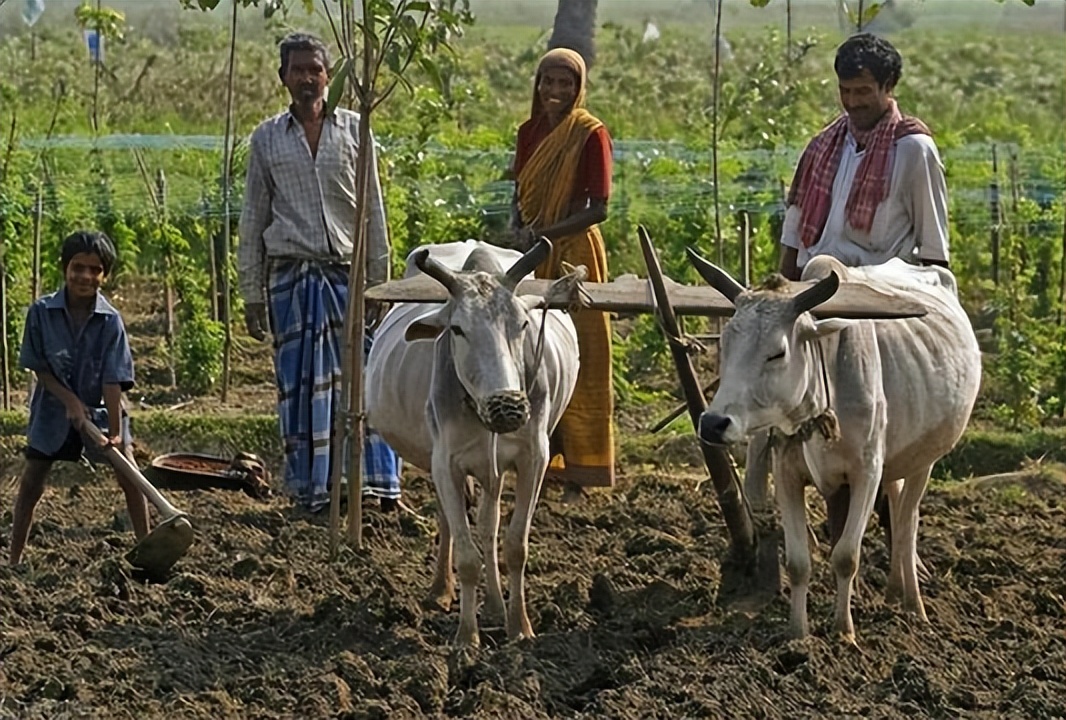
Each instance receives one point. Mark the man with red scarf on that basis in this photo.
(870, 186)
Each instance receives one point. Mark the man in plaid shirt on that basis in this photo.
(296, 232)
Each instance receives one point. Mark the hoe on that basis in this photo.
(164, 545)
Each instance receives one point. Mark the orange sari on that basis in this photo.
(545, 187)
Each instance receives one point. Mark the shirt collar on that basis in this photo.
(291, 119)
(58, 300)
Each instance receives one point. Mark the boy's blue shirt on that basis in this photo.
(83, 361)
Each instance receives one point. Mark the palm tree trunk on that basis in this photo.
(575, 28)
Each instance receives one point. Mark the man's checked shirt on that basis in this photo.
(299, 207)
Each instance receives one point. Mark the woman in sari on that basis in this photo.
(562, 167)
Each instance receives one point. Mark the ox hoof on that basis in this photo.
(847, 640)
(441, 595)
(466, 640)
(915, 608)
(520, 633)
(434, 601)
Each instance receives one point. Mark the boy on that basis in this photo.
(76, 343)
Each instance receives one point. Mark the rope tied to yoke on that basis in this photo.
(688, 343)
(569, 290)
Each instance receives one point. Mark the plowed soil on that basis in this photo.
(256, 622)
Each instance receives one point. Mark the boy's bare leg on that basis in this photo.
(31, 487)
(136, 502)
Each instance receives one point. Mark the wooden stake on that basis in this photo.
(4, 361)
(168, 270)
(214, 280)
(35, 292)
(745, 248)
(227, 172)
(349, 423)
(996, 215)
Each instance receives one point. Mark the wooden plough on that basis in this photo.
(751, 573)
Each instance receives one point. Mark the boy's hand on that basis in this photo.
(77, 413)
(255, 319)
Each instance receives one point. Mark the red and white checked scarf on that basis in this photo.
(812, 186)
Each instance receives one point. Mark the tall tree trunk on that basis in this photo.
(575, 28)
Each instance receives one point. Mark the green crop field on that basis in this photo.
(987, 76)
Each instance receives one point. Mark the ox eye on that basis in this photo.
(457, 331)
(778, 356)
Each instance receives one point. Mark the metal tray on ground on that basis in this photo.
(195, 471)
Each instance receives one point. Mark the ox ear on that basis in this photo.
(715, 276)
(823, 328)
(425, 327)
(528, 263)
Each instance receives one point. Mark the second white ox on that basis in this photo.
(853, 404)
(475, 387)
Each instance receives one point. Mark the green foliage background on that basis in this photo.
(979, 83)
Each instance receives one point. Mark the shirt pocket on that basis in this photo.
(337, 155)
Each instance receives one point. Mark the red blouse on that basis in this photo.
(593, 170)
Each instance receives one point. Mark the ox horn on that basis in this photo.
(715, 276)
(817, 294)
(436, 270)
(528, 262)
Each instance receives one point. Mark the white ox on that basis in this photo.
(852, 404)
(461, 390)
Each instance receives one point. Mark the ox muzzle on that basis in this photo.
(714, 428)
(503, 412)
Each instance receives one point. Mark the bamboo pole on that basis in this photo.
(717, 323)
(1062, 270)
(349, 421)
(227, 172)
(745, 248)
(714, 128)
(788, 34)
(168, 271)
(356, 337)
(213, 251)
(996, 216)
(35, 289)
(4, 369)
(96, 72)
(5, 365)
(1062, 287)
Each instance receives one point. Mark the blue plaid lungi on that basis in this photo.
(307, 305)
